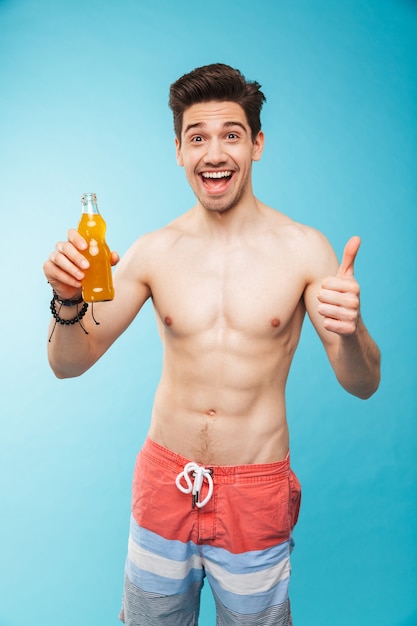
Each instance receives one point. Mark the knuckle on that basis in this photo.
(351, 314)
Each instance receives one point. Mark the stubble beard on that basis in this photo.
(216, 206)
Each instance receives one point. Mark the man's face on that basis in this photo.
(217, 151)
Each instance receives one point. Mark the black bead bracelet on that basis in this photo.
(63, 302)
(74, 320)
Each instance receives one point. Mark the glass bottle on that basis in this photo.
(97, 285)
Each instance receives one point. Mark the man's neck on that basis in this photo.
(229, 223)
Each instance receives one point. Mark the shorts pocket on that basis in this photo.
(294, 500)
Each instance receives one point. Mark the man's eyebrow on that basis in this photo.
(192, 126)
(230, 124)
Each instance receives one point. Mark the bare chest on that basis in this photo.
(249, 291)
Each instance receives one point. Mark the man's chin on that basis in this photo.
(218, 204)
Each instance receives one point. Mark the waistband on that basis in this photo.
(175, 463)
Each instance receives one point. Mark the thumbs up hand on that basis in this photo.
(339, 302)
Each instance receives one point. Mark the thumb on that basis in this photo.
(349, 255)
(114, 258)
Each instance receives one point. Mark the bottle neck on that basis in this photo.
(89, 203)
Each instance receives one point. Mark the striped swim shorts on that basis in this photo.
(229, 524)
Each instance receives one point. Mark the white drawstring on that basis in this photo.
(199, 473)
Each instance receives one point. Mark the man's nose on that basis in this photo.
(214, 153)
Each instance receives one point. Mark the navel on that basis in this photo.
(211, 412)
(275, 322)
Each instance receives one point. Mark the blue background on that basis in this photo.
(83, 107)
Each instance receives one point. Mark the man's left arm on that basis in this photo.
(334, 308)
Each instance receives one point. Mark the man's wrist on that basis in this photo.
(67, 302)
(64, 321)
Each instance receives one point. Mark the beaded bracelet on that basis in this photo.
(63, 302)
(74, 320)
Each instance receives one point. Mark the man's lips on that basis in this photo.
(216, 182)
(220, 174)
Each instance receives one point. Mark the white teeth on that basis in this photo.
(216, 174)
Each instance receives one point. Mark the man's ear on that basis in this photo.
(258, 146)
(178, 152)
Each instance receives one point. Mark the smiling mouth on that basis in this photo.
(216, 182)
(216, 175)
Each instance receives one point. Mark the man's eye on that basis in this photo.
(232, 136)
(197, 139)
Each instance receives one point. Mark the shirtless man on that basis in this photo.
(230, 280)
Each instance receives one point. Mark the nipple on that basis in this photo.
(168, 321)
(275, 322)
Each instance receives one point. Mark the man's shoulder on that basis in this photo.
(305, 247)
(162, 234)
(154, 243)
(295, 233)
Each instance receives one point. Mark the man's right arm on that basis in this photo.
(72, 348)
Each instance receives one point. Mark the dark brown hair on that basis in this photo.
(216, 82)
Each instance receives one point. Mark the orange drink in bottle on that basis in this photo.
(97, 286)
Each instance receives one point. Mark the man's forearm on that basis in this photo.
(357, 363)
(69, 349)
